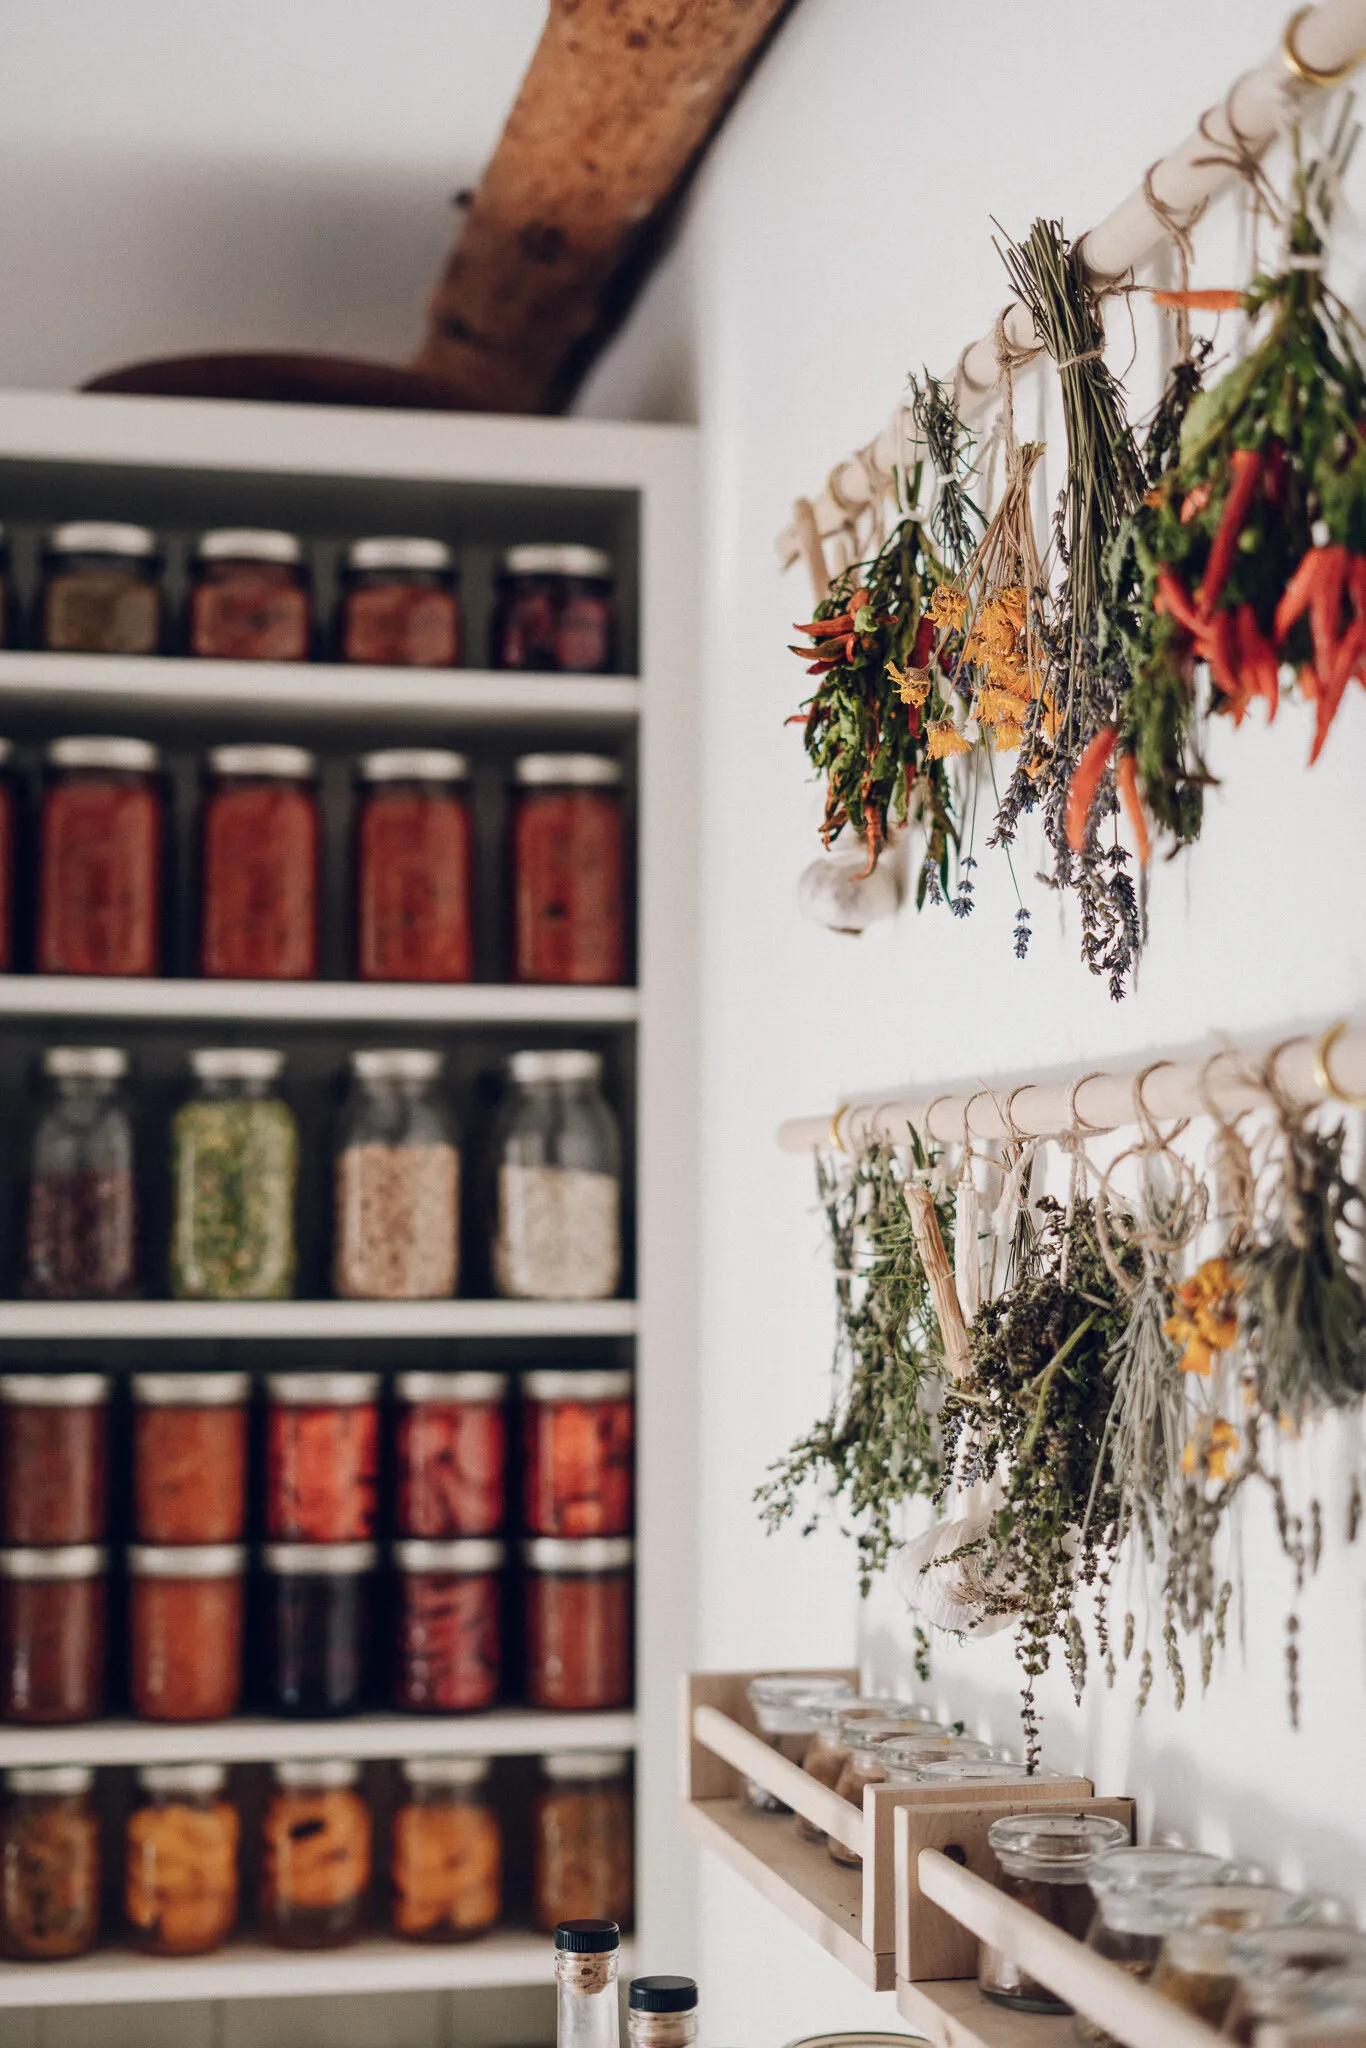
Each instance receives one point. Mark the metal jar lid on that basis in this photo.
(445, 1770)
(236, 1063)
(553, 1384)
(414, 764)
(319, 1560)
(578, 1555)
(581, 771)
(322, 1389)
(190, 1389)
(478, 1389)
(557, 558)
(54, 1389)
(563, 1766)
(70, 1561)
(101, 537)
(186, 1560)
(315, 1773)
(197, 1781)
(555, 1066)
(397, 1063)
(127, 757)
(463, 1555)
(248, 544)
(85, 1062)
(49, 1781)
(285, 764)
(399, 551)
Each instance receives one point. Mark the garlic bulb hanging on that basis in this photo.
(835, 892)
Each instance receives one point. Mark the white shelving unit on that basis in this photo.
(81, 998)
(509, 1731)
(89, 1322)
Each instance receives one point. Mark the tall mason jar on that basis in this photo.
(82, 1208)
(558, 1230)
(234, 1169)
(397, 1181)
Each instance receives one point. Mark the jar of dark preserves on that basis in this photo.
(99, 859)
(578, 1622)
(451, 1453)
(577, 1453)
(52, 1625)
(180, 1870)
(450, 1636)
(568, 869)
(82, 1225)
(1045, 1861)
(49, 1864)
(189, 1456)
(7, 852)
(315, 1854)
(249, 600)
(322, 1456)
(101, 589)
(400, 604)
(555, 610)
(446, 1851)
(260, 875)
(53, 1457)
(414, 864)
(185, 1630)
(317, 1614)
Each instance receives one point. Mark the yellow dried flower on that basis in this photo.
(1206, 1318)
(1009, 605)
(1006, 738)
(995, 706)
(943, 739)
(1208, 1452)
(912, 684)
(948, 607)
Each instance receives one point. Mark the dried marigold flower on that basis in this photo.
(912, 684)
(1007, 738)
(948, 607)
(943, 739)
(1208, 1452)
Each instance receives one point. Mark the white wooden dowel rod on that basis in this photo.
(786, 1781)
(1104, 1101)
(1119, 2003)
(1330, 36)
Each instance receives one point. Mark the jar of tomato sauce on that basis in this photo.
(450, 1638)
(99, 859)
(260, 839)
(7, 842)
(568, 869)
(185, 1635)
(578, 1622)
(189, 1456)
(53, 1457)
(414, 866)
(400, 603)
(554, 610)
(451, 1453)
(52, 1624)
(249, 600)
(577, 1440)
(322, 1456)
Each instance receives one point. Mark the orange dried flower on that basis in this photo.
(944, 739)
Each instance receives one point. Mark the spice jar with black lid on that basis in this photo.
(100, 834)
(554, 610)
(81, 1240)
(1046, 1862)
(662, 2012)
(101, 589)
(317, 1626)
(250, 599)
(53, 1457)
(400, 603)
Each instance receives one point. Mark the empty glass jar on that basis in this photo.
(82, 1238)
(397, 1182)
(1046, 1862)
(234, 1167)
(558, 1230)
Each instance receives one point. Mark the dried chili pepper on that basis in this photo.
(1081, 791)
(1245, 469)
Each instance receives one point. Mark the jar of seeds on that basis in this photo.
(558, 1231)
(234, 1167)
(397, 1182)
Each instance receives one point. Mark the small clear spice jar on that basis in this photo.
(101, 589)
(81, 1237)
(249, 597)
(785, 1706)
(1046, 1861)
(49, 1864)
(568, 845)
(316, 1846)
(180, 1860)
(1279, 1970)
(582, 1834)
(878, 1747)
(451, 1453)
(189, 1456)
(1127, 1926)
(260, 829)
(400, 603)
(52, 1633)
(322, 1456)
(827, 1750)
(54, 1455)
(8, 827)
(661, 2012)
(558, 1229)
(100, 836)
(185, 1630)
(445, 1851)
(234, 1173)
(578, 1440)
(414, 866)
(1194, 1965)
(554, 610)
(317, 1627)
(397, 1182)
(578, 1622)
(449, 1614)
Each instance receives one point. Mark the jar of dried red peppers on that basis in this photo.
(450, 1649)
(578, 1622)
(322, 1456)
(578, 1432)
(249, 600)
(52, 1623)
(554, 610)
(99, 859)
(260, 865)
(189, 1456)
(53, 1457)
(568, 869)
(451, 1453)
(400, 603)
(414, 853)
(185, 1630)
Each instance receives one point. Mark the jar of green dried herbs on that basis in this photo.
(235, 1166)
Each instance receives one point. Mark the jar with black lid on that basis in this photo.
(250, 598)
(317, 1627)
(400, 603)
(555, 610)
(101, 589)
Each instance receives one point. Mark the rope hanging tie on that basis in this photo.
(1178, 229)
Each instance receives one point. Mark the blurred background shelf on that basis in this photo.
(109, 998)
(109, 1321)
(509, 1731)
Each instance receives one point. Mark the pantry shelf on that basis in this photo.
(511, 1731)
(146, 1321)
(109, 998)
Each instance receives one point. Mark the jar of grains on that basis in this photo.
(445, 1851)
(315, 1854)
(400, 603)
(82, 1236)
(451, 1453)
(558, 1229)
(581, 1838)
(414, 867)
(316, 1602)
(260, 831)
(397, 1182)
(249, 598)
(99, 859)
(554, 610)
(54, 1452)
(568, 869)
(577, 1453)
(180, 1857)
(49, 1864)
(101, 592)
(189, 1456)
(662, 2012)
(7, 853)
(234, 1168)
(1194, 1965)
(52, 1629)
(1045, 1862)
(578, 1622)
(185, 1630)
(322, 1456)
(785, 1706)
(449, 1625)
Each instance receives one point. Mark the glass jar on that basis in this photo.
(878, 1746)
(52, 1623)
(1127, 1925)
(100, 833)
(414, 867)
(451, 1447)
(558, 1230)
(662, 2012)
(180, 1851)
(322, 1456)
(249, 597)
(260, 831)
(582, 1839)
(1194, 1966)
(568, 869)
(587, 2006)
(578, 1622)
(827, 1749)
(101, 589)
(317, 1627)
(578, 1431)
(397, 1182)
(315, 1854)
(785, 1705)
(449, 1614)
(983, 1777)
(8, 825)
(1046, 1862)
(235, 1169)
(445, 1851)
(400, 604)
(1278, 1971)
(54, 1454)
(185, 1630)
(49, 1864)
(189, 1456)
(81, 1237)
(554, 610)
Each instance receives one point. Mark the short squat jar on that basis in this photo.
(101, 589)
(581, 1838)
(189, 1456)
(578, 1444)
(400, 603)
(558, 1227)
(52, 1633)
(234, 1172)
(260, 830)
(316, 1851)
(828, 1748)
(54, 1452)
(554, 609)
(81, 1240)
(322, 1456)
(1282, 1973)
(185, 1632)
(451, 1453)
(414, 866)
(1045, 1861)
(568, 869)
(876, 1749)
(445, 1851)
(1194, 1965)
(662, 2012)
(578, 1622)
(317, 1627)
(180, 1862)
(249, 597)
(100, 838)
(397, 1181)
(785, 1706)
(49, 1864)
(449, 1607)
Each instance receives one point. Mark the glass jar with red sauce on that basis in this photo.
(322, 1456)
(249, 600)
(578, 1622)
(260, 875)
(450, 1638)
(185, 1630)
(189, 1456)
(451, 1453)
(53, 1457)
(554, 610)
(100, 837)
(52, 1630)
(7, 848)
(578, 1431)
(414, 867)
(400, 603)
(568, 869)
(101, 589)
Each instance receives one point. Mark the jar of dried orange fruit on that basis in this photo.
(446, 1851)
(315, 1854)
(180, 1860)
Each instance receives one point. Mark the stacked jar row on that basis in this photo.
(100, 857)
(396, 1181)
(319, 1850)
(251, 598)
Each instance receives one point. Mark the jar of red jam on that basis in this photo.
(185, 1630)
(249, 600)
(450, 1640)
(414, 867)
(99, 859)
(554, 610)
(53, 1457)
(7, 845)
(322, 1456)
(189, 1456)
(578, 1432)
(101, 589)
(52, 1623)
(260, 871)
(451, 1453)
(400, 603)
(568, 869)
(578, 1622)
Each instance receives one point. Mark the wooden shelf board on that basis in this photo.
(509, 1731)
(109, 1321)
(954, 2014)
(112, 997)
